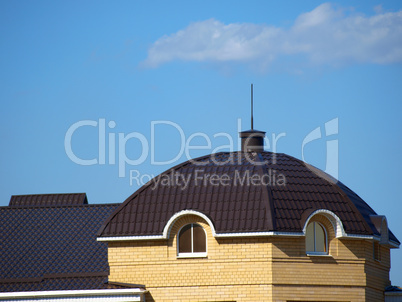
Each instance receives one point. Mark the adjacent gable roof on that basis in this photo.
(52, 246)
(49, 199)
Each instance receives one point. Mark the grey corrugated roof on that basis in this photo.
(52, 247)
(241, 208)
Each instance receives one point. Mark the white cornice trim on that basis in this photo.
(135, 293)
(357, 236)
(219, 235)
(332, 217)
(250, 234)
(259, 234)
(129, 238)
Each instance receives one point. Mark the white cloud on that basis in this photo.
(324, 35)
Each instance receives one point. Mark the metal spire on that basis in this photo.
(252, 109)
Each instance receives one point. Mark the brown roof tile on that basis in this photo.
(242, 206)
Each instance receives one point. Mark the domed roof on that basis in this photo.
(241, 193)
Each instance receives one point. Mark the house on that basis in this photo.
(249, 226)
(231, 226)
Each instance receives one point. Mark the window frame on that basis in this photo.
(376, 251)
(315, 253)
(192, 254)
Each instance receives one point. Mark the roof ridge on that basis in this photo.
(53, 276)
(335, 185)
(270, 207)
(75, 275)
(58, 206)
(352, 204)
(44, 194)
(29, 200)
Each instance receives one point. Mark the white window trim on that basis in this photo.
(192, 254)
(318, 254)
(314, 253)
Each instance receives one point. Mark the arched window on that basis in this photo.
(316, 239)
(192, 241)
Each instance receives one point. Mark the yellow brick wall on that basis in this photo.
(233, 270)
(348, 273)
(251, 269)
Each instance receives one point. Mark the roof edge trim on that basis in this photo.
(219, 235)
(259, 234)
(129, 238)
(390, 243)
(250, 234)
(394, 244)
(65, 293)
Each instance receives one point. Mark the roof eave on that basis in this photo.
(241, 235)
(73, 294)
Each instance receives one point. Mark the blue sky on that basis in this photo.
(131, 63)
